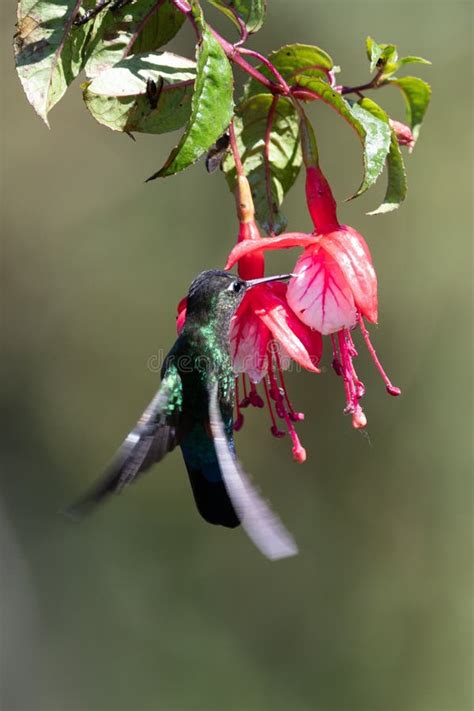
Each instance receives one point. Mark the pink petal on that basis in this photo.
(319, 294)
(290, 239)
(299, 342)
(181, 317)
(352, 254)
(248, 342)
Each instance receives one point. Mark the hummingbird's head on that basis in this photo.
(217, 294)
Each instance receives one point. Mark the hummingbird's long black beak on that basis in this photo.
(264, 280)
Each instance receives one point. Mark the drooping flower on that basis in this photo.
(265, 335)
(334, 287)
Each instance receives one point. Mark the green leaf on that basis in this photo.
(251, 12)
(397, 179)
(48, 51)
(118, 97)
(383, 57)
(374, 52)
(293, 60)
(211, 109)
(135, 29)
(412, 60)
(417, 95)
(284, 153)
(373, 133)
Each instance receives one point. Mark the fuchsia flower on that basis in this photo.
(265, 332)
(334, 287)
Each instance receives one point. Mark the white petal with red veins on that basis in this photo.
(248, 346)
(319, 293)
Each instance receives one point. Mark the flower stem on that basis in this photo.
(372, 84)
(269, 65)
(234, 55)
(235, 151)
(234, 51)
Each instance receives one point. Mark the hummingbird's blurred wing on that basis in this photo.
(154, 435)
(260, 523)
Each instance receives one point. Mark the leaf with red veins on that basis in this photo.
(299, 342)
(319, 293)
(290, 239)
(248, 341)
(352, 254)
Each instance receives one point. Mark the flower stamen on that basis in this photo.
(276, 432)
(254, 398)
(245, 402)
(277, 394)
(295, 416)
(391, 389)
(354, 388)
(239, 420)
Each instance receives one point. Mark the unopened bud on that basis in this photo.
(403, 133)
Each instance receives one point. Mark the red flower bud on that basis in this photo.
(403, 133)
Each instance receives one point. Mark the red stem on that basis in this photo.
(233, 54)
(269, 66)
(242, 26)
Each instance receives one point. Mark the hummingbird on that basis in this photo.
(193, 409)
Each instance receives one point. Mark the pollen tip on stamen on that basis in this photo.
(238, 423)
(296, 416)
(299, 454)
(276, 432)
(359, 420)
(336, 366)
(245, 402)
(393, 390)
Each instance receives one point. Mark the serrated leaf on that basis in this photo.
(118, 98)
(48, 51)
(284, 154)
(251, 12)
(373, 133)
(417, 95)
(134, 29)
(293, 60)
(397, 178)
(211, 109)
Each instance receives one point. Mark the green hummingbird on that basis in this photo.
(193, 408)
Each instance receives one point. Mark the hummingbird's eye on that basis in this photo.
(236, 286)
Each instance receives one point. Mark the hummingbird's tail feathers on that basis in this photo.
(155, 434)
(211, 497)
(260, 523)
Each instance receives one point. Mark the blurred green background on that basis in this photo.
(144, 606)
